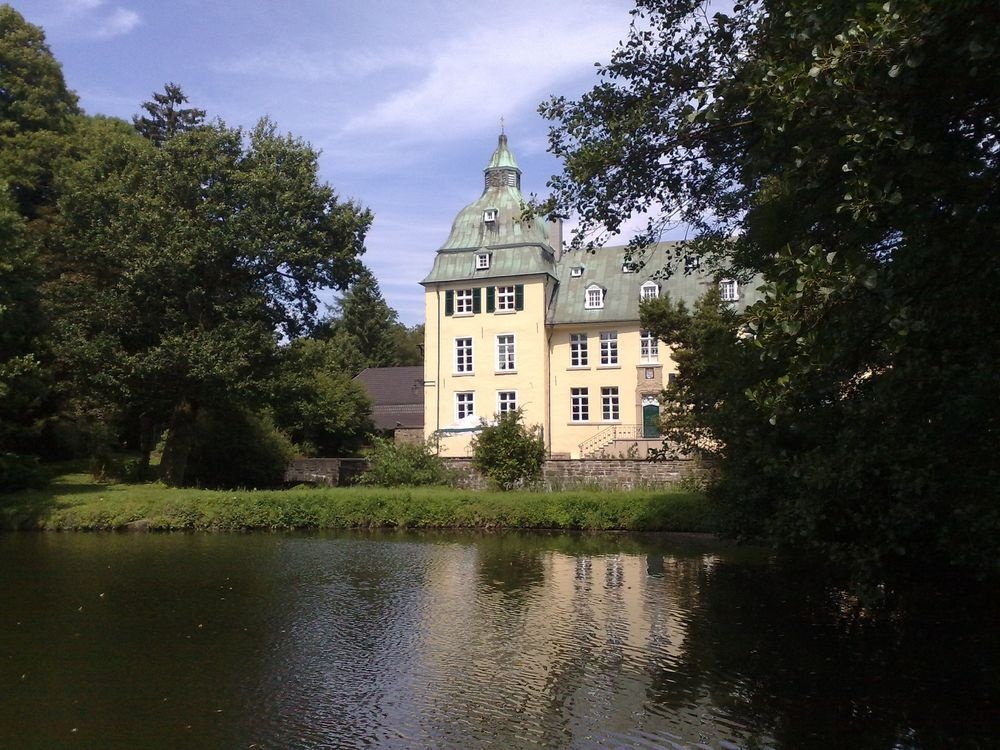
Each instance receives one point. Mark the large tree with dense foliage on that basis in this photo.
(191, 260)
(848, 154)
(36, 113)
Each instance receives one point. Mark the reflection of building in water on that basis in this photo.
(562, 646)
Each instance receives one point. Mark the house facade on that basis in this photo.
(513, 322)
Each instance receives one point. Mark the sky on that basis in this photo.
(402, 98)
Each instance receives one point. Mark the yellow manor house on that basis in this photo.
(513, 322)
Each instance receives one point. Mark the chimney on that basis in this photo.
(554, 229)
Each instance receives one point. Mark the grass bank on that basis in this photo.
(77, 502)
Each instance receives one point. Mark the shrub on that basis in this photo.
(235, 448)
(509, 453)
(395, 464)
(18, 472)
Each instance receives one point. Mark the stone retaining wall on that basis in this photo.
(313, 471)
(606, 474)
(557, 473)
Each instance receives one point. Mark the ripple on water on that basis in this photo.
(350, 642)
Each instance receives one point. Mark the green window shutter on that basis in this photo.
(477, 301)
(519, 297)
(491, 299)
(449, 302)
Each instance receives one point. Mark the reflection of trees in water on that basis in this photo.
(783, 657)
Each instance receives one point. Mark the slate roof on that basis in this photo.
(519, 260)
(398, 395)
(621, 295)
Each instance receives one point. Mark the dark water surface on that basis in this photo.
(469, 641)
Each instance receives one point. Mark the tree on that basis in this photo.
(508, 452)
(317, 403)
(165, 117)
(33, 93)
(363, 322)
(36, 113)
(409, 344)
(192, 260)
(22, 382)
(36, 108)
(847, 153)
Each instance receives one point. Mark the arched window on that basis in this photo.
(595, 298)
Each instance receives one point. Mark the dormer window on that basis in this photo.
(627, 268)
(729, 290)
(595, 298)
(649, 290)
(691, 263)
(576, 272)
(490, 215)
(482, 261)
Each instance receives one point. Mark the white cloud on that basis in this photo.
(92, 19)
(115, 22)
(486, 70)
(313, 66)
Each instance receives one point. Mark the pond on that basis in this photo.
(468, 641)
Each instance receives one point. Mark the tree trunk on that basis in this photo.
(180, 438)
(146, 443)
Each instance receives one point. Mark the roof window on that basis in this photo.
(482, 261)
(576, 271)
(490, 215)
(594, 299)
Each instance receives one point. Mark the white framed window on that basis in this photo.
(649, 290)
(729, 290)
(506, 401)
(465, 405)
(463, 301)
(580, 401)
(627, 268)
(576, 272)
(490, 215)
(506, 298)
(691, 263)
(505, 353)
(649, 347)
(595, 298)
(463, 354)
(609, 348)
(610, 407)
(578, 355)
(482, 261)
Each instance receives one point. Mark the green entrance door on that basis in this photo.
(651, 420)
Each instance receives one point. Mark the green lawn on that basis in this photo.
(76, 502)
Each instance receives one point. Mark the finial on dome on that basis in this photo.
(501, 125)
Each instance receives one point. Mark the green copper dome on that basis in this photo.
(496, 218)
(502, 157)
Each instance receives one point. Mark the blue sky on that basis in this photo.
(403, 99)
